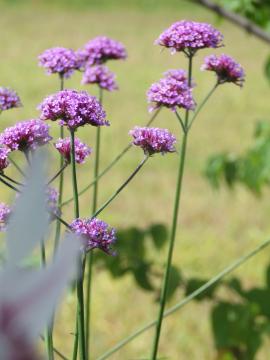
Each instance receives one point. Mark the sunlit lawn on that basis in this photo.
(215, 227)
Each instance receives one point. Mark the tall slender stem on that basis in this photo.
(80, 299)
(48, 332)
(117, 192)
(173, 228)
(60, 198)
(202, 104)
(61, 179)
(91, 254)
(117, 158)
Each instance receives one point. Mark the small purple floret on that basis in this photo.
(5, 212)
(4, 151)
(190, 36)
(59, 60)
(101, 76)
(226, 69)
(153, 140)
(8, 99)
(172, 91)
(97, 233)
(81, 149)
(26, 135)
(101, 49)
(73, 109)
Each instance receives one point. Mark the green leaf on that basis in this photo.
(235, 329)
(236, 285)
(142, 276)
(159, 234)
(175, 280)
(194, 284)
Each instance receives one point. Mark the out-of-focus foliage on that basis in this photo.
(238, 325)
(252, 168)
(258, 11)
(136, 249)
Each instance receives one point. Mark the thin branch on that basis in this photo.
(11, 180)
(236, 19)
(58, 173)
(8, 184)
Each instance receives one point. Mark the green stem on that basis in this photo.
(180, 121)
(61, 181)
(16, 166)
(121, 187)
(118, 157)
(173, 228)
(10, 179)
(8, 184)
(230, 268)
(48, 332)
(59, 172)
(60, 198)
(91, 254)
(202, 104)
(80, 299)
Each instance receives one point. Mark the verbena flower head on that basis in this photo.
(26, 135)
(52, 202)
(190, 36)
(59, 60)
(81, 149)
(101, 49)
(172, 91)
(8, 99)
(4, 151)
(153, 140)
(226, 69)
(73, 109)
(97, 233)
(5, 212)
(101, 76)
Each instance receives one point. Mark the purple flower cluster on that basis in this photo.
(226, 69)
(81, 149)
(73, 109)
(100, 49)
(59, 60)
(4, 151)
(172, 91)
(52, 201)
(190, 36)
(8, 99)
(101, 76)
(26, 135)
(97, 233)
(5, 212)
(153, 140)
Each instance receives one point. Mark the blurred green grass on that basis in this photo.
(215, 227)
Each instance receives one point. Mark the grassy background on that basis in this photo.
(215, 227)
